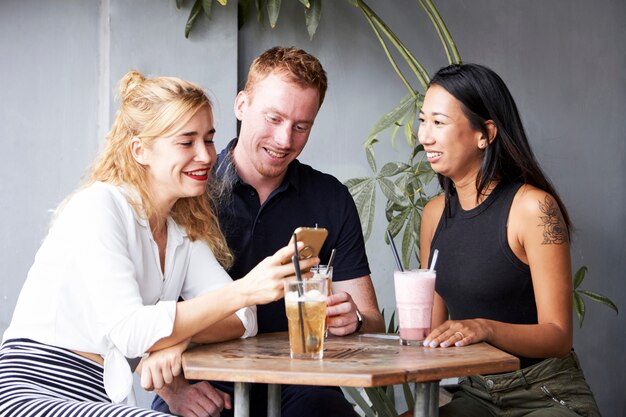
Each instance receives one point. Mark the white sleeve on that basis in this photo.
(102, 221)
(205, 274)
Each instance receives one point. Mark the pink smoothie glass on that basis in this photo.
(414, 304)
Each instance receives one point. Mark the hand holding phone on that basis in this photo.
(313, 239)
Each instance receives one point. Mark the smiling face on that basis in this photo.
(453, 147)
(276, 120)
(178, 166)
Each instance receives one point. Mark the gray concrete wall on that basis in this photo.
(562, 60)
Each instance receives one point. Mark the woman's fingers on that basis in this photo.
(265, 283)
(284, 254)
(161, 367)
(150, 378)
(167, 376)
(451, 333)
(176, 366)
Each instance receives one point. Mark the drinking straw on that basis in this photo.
(296, 266)
(395, 251)
(330, 260)
(434, 261)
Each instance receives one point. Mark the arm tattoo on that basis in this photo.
(554, 230)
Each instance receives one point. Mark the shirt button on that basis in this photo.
(489, 384)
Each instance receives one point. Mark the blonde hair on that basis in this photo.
(149, 109)
(296, 65)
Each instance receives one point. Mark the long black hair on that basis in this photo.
(484, 96)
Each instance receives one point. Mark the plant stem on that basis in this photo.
(389, 57)
(442, 30)
(416, 67)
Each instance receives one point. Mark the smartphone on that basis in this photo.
(313, 239)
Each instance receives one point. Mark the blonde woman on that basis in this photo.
(139, 234)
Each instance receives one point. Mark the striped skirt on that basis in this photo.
(42, 380)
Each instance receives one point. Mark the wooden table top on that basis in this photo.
(355, 360)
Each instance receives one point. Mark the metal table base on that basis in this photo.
(242, 399)
(426, 399)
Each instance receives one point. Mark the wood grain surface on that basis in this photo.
(355, 360)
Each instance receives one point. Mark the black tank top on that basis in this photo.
(478, 275)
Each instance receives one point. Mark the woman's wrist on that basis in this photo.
(241, 296)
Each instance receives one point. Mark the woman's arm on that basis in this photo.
(260, 286)
(538, 236)
(228, 329)
(430, 219)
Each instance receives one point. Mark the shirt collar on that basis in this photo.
(175, 231)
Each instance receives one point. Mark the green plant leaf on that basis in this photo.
(416, 150)
(207, 6)
(395, 115)
(397, 222)
(417, 221)
(428, 177)
(421, 167)
(415, 231)
(579, 276)
(393, 207)
(391, 190)
(260, 5)
(179, 4)
(408, 241)
(365, 202)
(360, 401)
(394, 131)
(374, 396)
(312, 14)
(600, 298)
(408, 396)
(392, 324)
(380, 401)
(393, 168)
(390, 213)
(356, 185)
(409, 134)
(370, 142)
(193, 15)
(223, 2)
(579, 308)
(371, 158)
(411, 183)
(273, 10)
(389, 392)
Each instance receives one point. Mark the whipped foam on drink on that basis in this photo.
(311, 295)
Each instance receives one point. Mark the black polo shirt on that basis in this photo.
(305, 198)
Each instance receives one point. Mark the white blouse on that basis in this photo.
(96, 284)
